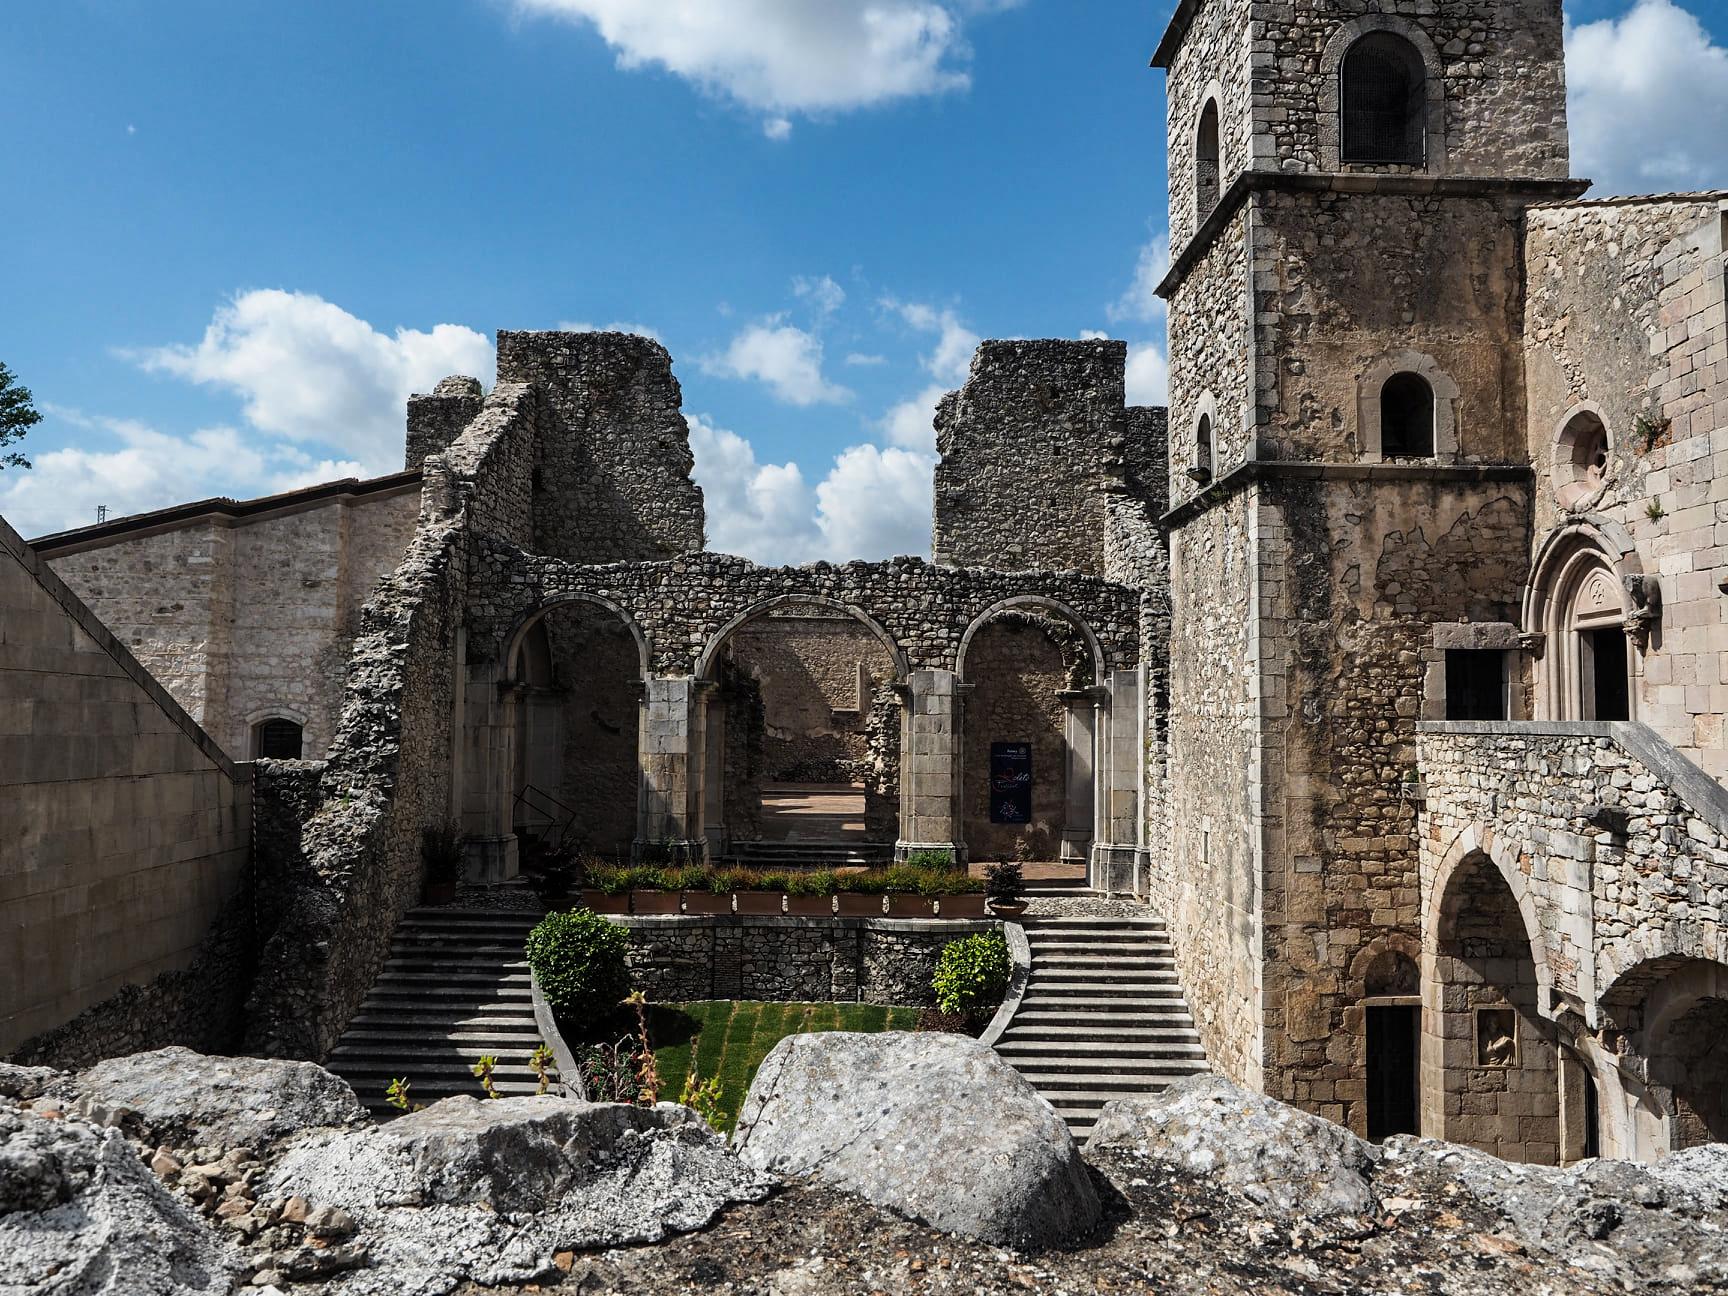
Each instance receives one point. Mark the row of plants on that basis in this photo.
(909, 889)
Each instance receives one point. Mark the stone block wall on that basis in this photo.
(246, 612)
(1628, 321)
(818, 677)
(1017, 668)
(1211, 361)
(1024, 449)
(614, 455)
(124, 839)
(1208, 54)
(796, 960)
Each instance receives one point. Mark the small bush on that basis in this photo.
(781, 882)
(1005, 883)
(609, 879)
(869, 882)
(972, 974)
(811, 884)
(931, 859)
(579, 959)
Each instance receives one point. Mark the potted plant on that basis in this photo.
(763, 893)
(908, 896)
(707, 891)
(656, 891)
(551, 873)
(441, 850)
(607, 889)
(962, 896)
(810, 895)
(1005, 889)
(862, 895)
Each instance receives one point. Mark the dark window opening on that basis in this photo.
(1203, 447)
(1393, 1050)
(279, 740)
(1385, 98)
(1206, 162)
(1406, 417)
(1475, 684)
(1609, 695)
(1592, 1120)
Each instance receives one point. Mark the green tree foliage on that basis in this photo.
(17, 416)
(972, 974)
(579, 959)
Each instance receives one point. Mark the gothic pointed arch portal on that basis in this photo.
(1581, 602)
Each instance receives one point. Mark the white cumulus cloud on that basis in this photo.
(876, 503)
(910, 423)
(1140, 302)
(1648, 101)
(780, 57)
(786, 359)
(951, 358)
(1148, 374)
(307, 370)
(764, 512)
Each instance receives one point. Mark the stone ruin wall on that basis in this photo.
(1024, 445)
(123, 846)
(1346, 284)
(1017, 667)
(614, 457)
(1211, 349)
(1353, 576)
(243, 619)
(1627, 317)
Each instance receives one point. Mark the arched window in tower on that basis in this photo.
(278, 739)
(1206, 162)
(1202, 470)
(1406, 417)
(1385, 101)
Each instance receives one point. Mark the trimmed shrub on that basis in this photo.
(972, 974)
(579, 959)
(931, 859)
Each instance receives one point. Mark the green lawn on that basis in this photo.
(730, 1038)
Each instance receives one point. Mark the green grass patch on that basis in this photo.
(730, 1038)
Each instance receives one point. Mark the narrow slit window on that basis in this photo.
(1206, 162)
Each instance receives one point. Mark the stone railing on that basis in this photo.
(1614, 845)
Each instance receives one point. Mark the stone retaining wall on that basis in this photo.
(799, 960)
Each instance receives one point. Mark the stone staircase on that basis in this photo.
(794, 855)
(1102, 1017)
(456, 987)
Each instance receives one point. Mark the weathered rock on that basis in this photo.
(1269, 1152)
(492, 1190)
(24, 1082)
(1662, 1226)
(934, 1126)
(80, 1213)
(182, 1097)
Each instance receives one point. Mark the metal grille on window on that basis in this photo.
(279, 740)
(1385, 98)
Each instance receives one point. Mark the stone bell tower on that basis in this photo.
(1348, 483)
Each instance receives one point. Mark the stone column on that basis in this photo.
(669, 812)
(1115, 822)
(1079, 734)
(713, 768)
(488, 714)
(931, 765)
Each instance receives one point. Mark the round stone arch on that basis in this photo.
(1571, 458)
(1587, 569)
(1202, 448)
(717, 643)
(1212, 97)
(1041, 602)
(1364, 960)
(1629, 968)
(1441, 383)
(1480, 839)
(519, 632)
(1331, 106)
(276, 711)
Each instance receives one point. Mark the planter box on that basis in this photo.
(706, 902)
(961, 906)
(760, 902)
(655, 902)
(853, 905)
(602, 903)
(911, 906)
(811, 906)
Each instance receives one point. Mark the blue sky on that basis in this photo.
(238, 233)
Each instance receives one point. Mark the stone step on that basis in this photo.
(1020, 1046)
(1104, 1073)
(1124, 973)
(1090, 1101)
(1077, 1034)
(500, 975)
(1088, 989)
(511, 1034)
(432, 1069)
(1090, 923)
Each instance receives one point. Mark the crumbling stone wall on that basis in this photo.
(808, 667)
(124, 838)
(1024, 449)
(793, 960)
(614, 457)
(1627, 321)
(248, 614)
(597, 683)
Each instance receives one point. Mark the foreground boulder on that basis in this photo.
(936, 1127)
(1271, 1153)
(496, 1191)
(181, 1097)
(79, 1213)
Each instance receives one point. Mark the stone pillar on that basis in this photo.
(488, 771)
(1079, 734)
(1117, 812)
(669, 812)
(713, 768)
(930, 765)
(437, 420)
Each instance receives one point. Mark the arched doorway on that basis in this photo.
(1392, 1035)
(1683, 1037)
(802, 724)
(576, 672)
(1029, 668)
(1491, 1062)
(1580, 603)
